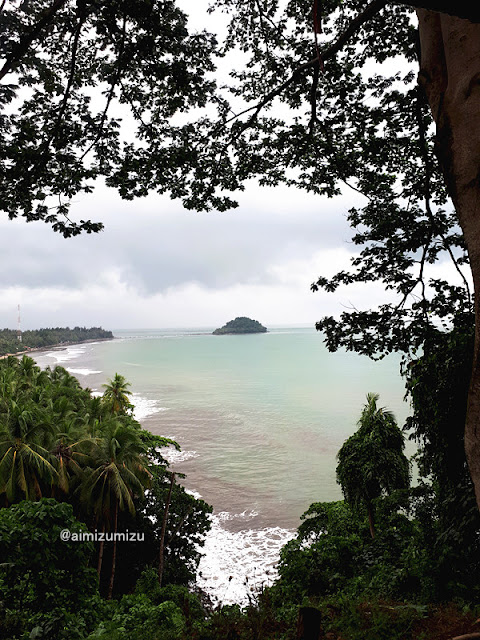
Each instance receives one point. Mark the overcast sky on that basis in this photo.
(157, 265)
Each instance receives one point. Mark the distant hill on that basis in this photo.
(240, 325)
(39, 338)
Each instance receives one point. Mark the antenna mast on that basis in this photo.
(19, 331)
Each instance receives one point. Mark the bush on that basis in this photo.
(135, 617)
(47, 587)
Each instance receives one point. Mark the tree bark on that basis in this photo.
(450, 74)
(468, 9)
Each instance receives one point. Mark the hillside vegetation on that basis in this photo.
(241, 325)
(38, 338)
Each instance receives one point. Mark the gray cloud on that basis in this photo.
(155, 245)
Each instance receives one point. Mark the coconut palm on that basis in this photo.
(116, 394)
(25, 465)
(96, 412)
(118, 472)
(69, 446)
(372, 462)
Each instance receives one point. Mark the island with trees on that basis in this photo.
(239, 326)
(41, 338)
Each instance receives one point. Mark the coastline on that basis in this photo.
(60, 346)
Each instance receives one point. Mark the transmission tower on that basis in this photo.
(19, 331)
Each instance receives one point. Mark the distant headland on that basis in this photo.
(240, 325)
(43, 338)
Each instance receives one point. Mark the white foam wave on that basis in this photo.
(69, 353)
(193, 493)
(173, 455)
(82, 372)
(224, 516)
(145, 407)
(237, 564)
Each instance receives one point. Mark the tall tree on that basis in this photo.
(26, 468)
(372, 462)
(119, 470)
(116, 394)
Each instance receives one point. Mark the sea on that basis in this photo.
(259, 419)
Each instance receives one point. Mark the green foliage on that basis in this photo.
(57, 440)
(135, 617)
(241, 325)
(188, 602)
(46, 585)
(371, 462)
(59, 140)
(187, 524)
(118, 469)
(335, 554)
(437, 382)
(414, 555)
(261, 619)
(116, 395)
(35, 339)
(427, 537)
(374, 620)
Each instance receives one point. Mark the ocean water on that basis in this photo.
(259, 419)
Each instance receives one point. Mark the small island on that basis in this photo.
(240, 325)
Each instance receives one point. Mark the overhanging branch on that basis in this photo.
(370, 10)
(28, 38)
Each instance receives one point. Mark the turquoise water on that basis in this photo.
(259, 418)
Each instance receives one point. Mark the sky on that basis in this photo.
(156, 265)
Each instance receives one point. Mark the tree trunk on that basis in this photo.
(161, 552)
(309, 625)
(450, 75)
(114, 551)
(100, 555)
(371, 521)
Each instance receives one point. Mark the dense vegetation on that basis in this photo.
(390, 561)
(69, 460)
(241, 325)
(38, 338)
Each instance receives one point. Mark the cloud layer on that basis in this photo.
(157, 265)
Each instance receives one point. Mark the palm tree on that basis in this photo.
(94, 415)
(25, 465)
(118, 472)
(372, 462)
(69, 447)
(116, 394)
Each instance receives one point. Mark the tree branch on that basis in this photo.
(115, 81)
(28, 38)
(71, 77)
(370, 10)
(427, 190)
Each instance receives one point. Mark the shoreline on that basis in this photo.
(59, 346)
